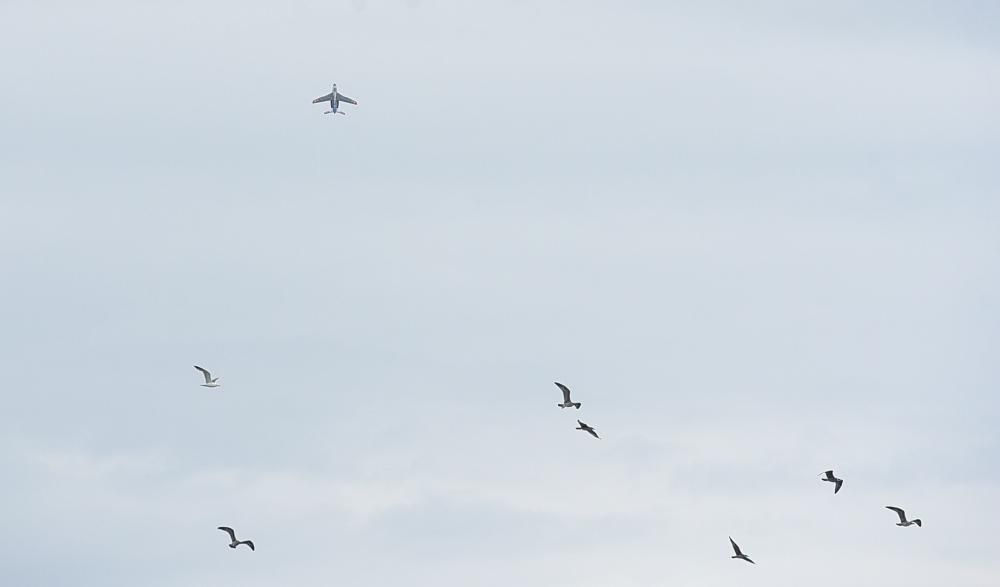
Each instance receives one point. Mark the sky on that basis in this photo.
(757, 239)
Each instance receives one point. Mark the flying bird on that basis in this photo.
(837, 482)
(739, 553)
(232, 536)
(209, 380)
(902, 517)
(587, 428)
(567, 403)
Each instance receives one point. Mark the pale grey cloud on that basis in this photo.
(757, 241)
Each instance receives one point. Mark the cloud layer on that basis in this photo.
(757, 244)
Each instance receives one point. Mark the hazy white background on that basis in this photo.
(757, 239)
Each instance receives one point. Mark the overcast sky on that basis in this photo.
(758, 240)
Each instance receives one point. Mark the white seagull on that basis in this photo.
(567, 403)
(837, 482)
(209, 380)
(739, 553)
(232, 536)
(902, 517)
(587, 428)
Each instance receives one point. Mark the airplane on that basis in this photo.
(334, 98)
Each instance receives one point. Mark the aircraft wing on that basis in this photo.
(344, 98)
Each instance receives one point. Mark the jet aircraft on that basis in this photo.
(334, 98)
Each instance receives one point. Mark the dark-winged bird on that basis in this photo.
(587, 428)
(902, 517)
(232, 536)
(837, 482)
(739, 553)
(209, 380)
(567, 403)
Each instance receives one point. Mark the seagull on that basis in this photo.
(739, 553)
(567, 403)
(587, 428)
(235, 542)
(902, 517)
(209, 380)
(832, 479)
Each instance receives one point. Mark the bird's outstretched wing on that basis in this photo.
(902, 514)
(247, 542)
(588, 428)
(565, 391)
(736, 547)
(829, 475)
(837, 485)
(228, 530)
(208, 376)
